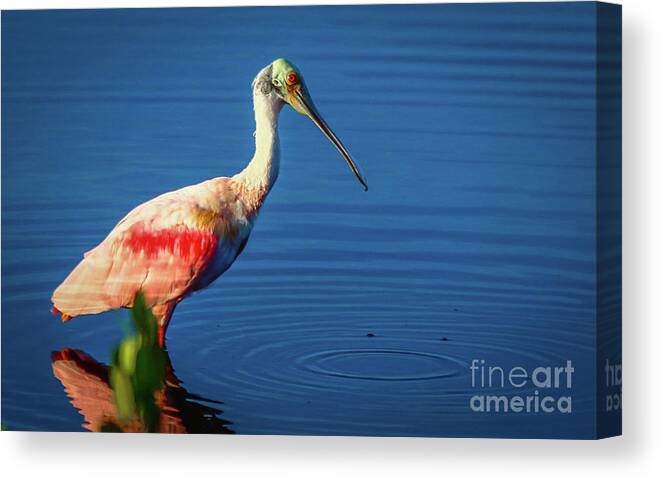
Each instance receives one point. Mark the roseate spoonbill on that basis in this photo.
(181, 241)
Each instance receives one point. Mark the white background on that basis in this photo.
(637, 453)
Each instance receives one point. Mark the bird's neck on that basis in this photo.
(259, 176)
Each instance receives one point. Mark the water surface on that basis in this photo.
(348, 312)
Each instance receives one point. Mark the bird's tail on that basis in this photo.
(86, 290)
(64, 316)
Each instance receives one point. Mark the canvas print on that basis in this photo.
(353, 220)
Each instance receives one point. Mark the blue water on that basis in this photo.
(348, 312)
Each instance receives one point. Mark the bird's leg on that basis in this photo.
(163, 313)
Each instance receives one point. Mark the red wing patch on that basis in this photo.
(180, 242)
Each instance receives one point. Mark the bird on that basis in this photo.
(181, 241)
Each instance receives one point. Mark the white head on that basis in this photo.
(283, 82)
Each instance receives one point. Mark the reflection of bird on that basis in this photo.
(86, 382)
(183, 240)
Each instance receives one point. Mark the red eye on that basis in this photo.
(292, 78)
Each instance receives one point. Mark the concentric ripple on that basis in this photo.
(381, 364)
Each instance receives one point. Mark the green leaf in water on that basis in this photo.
(123, 394)
(137, 370)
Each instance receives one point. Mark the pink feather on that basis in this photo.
(162, 247)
